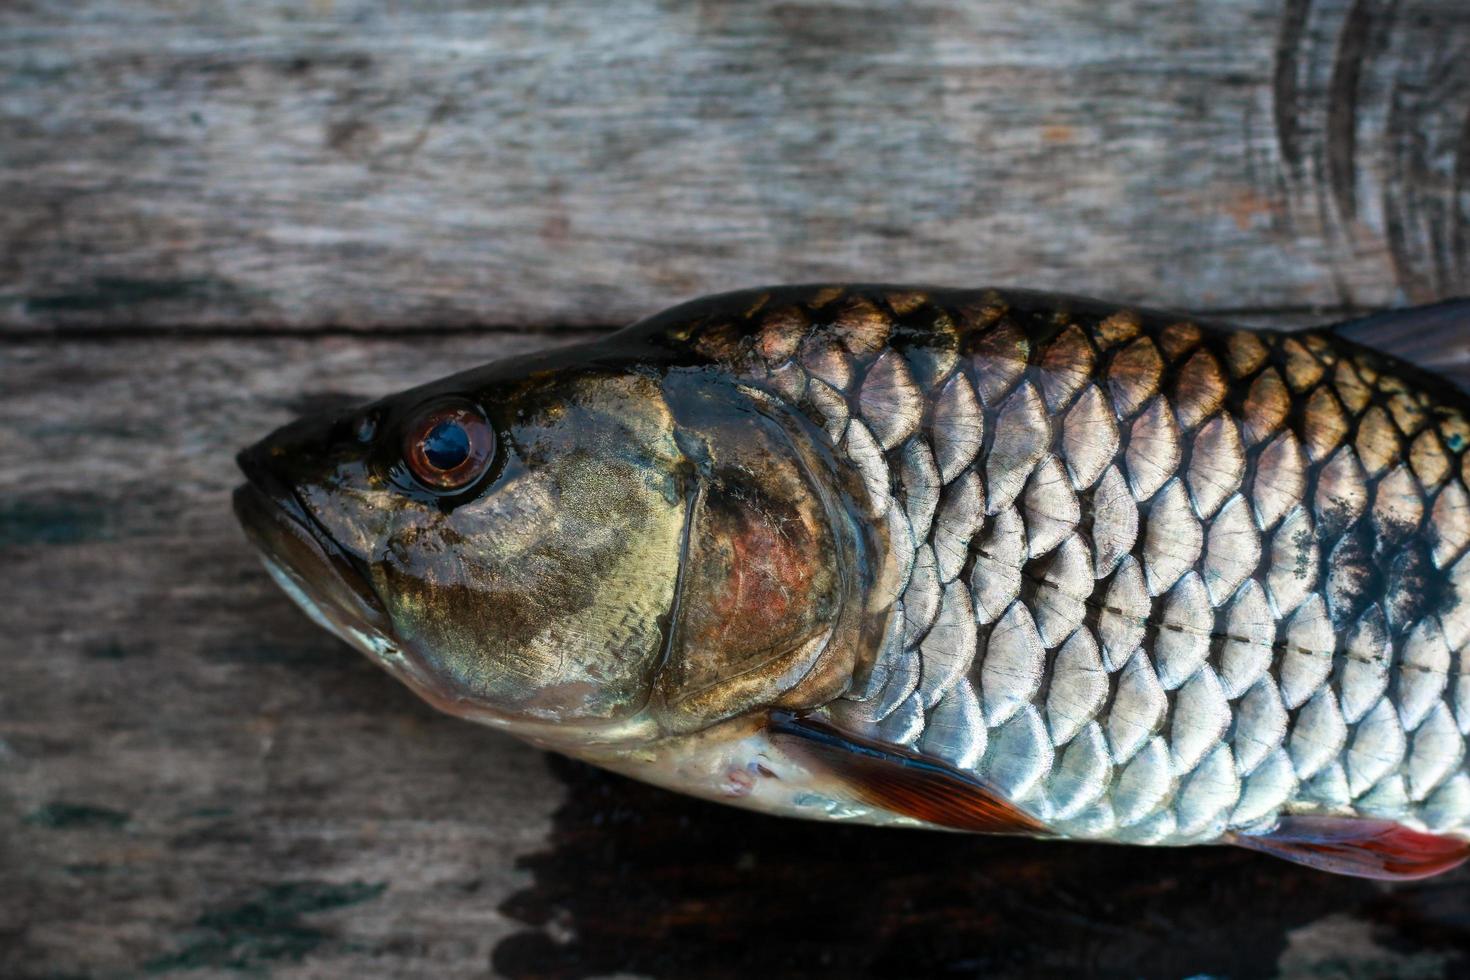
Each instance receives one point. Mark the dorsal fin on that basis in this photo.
(903, 781)
(1433, 338)
(1358, 847)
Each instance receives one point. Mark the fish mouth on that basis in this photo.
(333, 587)
(325, 581)
(328, 583)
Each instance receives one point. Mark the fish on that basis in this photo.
(979, 560)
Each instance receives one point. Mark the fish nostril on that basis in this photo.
(365, 428)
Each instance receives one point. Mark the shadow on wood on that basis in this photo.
(640, 881)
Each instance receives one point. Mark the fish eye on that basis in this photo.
(448, 446)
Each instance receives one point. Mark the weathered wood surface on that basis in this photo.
(354, 162)
(188, 777)
(215, 216)
(196, 781)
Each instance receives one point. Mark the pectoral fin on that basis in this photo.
(1378, 849)
(903, 781)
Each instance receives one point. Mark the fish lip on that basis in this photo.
(295, 544)
(329, 584)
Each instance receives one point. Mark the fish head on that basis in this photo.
(580, 551)
(506, 541)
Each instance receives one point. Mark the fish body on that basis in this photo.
(974, 559)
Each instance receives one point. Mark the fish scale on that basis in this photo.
(1154, 581)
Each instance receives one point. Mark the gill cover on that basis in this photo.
(776, 565)
(660, 553)
(540, 594)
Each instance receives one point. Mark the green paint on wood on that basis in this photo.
(312, 652)
(60, 815)
(120, 292)
(30, 522)
(114, 649)
(86, 869)
(264, 927)
(211, 812)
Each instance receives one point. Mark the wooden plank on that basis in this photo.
(365, 164)
(195, 781)
(191, 776)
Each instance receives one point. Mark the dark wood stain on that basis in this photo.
(1461, 199)
(106, 294)
(1397, 219)
(38, 522)
(62, 815)
(594, 181)
(1368, 102)
(1342, 105)
(153, 313)
(640, 881)
(265, 927)
(1285, 82)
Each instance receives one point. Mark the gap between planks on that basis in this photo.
(30, 335)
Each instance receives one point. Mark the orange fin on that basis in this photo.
(1378, 849)
(904, 781)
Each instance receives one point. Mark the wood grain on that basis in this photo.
(213, 217)
(364, 164)
(191, 775)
